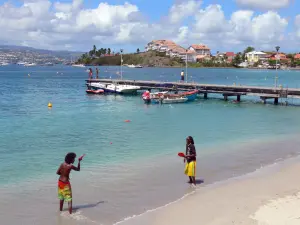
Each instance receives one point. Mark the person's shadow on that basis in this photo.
(86, 206)
(199, 181)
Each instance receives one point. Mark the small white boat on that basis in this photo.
(168, 100)
(4, 64)
(134, 66)
(116, 88)
(174, 100)
(30, 64)
(21, 63)
(79, 65)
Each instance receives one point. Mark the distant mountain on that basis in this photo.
(60, 54)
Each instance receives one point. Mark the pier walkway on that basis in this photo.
(263, 93)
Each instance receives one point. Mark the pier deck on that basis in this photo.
(226, 90)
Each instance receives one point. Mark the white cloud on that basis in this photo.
(211, 20)
(243, 28)
(297, 26)
(183, 9)
(40, 23)
(263, 4)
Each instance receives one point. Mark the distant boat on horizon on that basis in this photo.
(79, 65)
(134, 66)
(30, 64)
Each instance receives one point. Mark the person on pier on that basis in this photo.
(97, 73)
(182, 76)
(91, 73)
(190, 158)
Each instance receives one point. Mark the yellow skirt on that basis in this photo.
(190, 169)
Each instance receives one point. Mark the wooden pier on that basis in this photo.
(263, 93)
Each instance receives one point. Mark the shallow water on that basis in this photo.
(129, 167)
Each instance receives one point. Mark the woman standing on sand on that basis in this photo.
(190, 157)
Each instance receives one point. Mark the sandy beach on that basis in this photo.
(268, 197)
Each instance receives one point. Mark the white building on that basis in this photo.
(201, 50)
(160, 45)
(254, 56)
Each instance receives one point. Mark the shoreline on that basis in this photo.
(249, 199)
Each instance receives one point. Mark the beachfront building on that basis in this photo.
(255, 56)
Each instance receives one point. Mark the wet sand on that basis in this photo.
(268, 197)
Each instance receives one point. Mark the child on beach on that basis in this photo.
(190, 158)
(64, 185)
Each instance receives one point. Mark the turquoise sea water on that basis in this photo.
(34, 139)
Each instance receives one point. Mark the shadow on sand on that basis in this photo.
(198, 181)
(86, 206)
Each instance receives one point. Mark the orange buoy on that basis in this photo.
(127, 121)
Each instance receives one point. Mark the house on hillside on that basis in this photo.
(160, 45)
(255, 56)
(202, 50)
(229, 56)
(297, 57)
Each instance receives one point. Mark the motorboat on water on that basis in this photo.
(4, 64)
(116, 88)
(169, 100)
(21, 63)
(91, 91)
(79, 65)
(166, 98)
(30, 64)
(134, 66)
(190, 95)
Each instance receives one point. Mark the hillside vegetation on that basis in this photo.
(151, 58)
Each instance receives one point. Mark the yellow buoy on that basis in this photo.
(50, 105)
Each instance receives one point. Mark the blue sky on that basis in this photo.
(132, 23)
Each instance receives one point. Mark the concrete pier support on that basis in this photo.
(238, 98)
(276, 101)
(225, 97)
(205, 95)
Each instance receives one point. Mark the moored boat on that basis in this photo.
(169, 100)
(116, 88)
(190, 95)
(98, 91)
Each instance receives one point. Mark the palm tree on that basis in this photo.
(108, 51)
(94, 49)
(138, 51)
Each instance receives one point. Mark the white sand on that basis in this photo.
(268, 198)
(280, 211)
